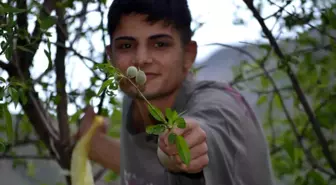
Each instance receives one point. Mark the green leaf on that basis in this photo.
(2, 145)
(30, 169)
(262, 99)
(47, 22)
(14, 95)
(264, 82)
(2, 93)
(183, 149)
(4, 8)
(156, 113)
(156, 129)
(110, 176)
(2, 79)
(9, 53)
(23, 98)
(289, 147)
(172, 138)
(169, 113)
(113, 86)
(171, 116)
(9, 124)
(104, 85)
(277, 101)
(49, 59)
(180, 122)
(316, 178)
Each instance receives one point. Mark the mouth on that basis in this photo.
(151, 75)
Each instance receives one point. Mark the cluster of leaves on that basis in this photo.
(10, 92)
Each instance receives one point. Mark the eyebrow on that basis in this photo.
(124, 38)
(153, 37)
(157, 36)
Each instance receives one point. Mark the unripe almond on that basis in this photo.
(140, 78)
(131, 71)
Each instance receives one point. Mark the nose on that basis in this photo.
(142, 56)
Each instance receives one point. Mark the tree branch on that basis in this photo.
(310, 25)
(279, 11)
(102, 97)
(12, 157)
(315, 123)
(62, 107)
(62, 110)
(22, 24)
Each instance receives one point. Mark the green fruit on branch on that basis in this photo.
(131, 72)
(140, 78)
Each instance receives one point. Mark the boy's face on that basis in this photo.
(154, 48)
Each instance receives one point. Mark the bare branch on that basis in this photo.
(310, 25)
(36, 157)
(315, 123)
(280, 10)
(82, 19)
(236, 48)
(80, 56)
(286, 88)
(22, 24)
(239, 78)
(62, 107)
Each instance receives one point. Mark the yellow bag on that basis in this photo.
(80, 169)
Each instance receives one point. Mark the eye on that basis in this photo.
(124, 46)
(160, 44)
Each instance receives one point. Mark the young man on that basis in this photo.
(227, 143)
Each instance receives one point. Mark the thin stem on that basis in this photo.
(123, 76)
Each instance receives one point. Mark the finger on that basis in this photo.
(195, 152)
(86, 120)
(195, 137)
(196, 165)
(88, 115)
(199, 150)
(104, 128)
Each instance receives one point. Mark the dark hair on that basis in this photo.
(172, 12)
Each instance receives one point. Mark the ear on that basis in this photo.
(190, 55)
(108, 50)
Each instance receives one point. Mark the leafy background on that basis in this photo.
(292, 77)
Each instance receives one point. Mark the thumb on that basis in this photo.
(86, 121)
(104, 128)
